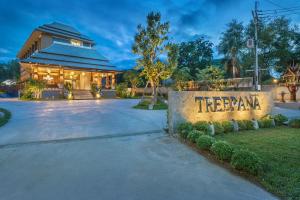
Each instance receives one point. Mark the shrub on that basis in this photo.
(280, 119)
(222, 150)
(184, 129)
(205, 142)
(294, 123)
(227, 126)
(242, 125)
(194, 135)
(203, 126)
(218, 128)
(5, 118)
(247, 161)
(248, 124)
(121, 90)
(265, 123)
(33, 89)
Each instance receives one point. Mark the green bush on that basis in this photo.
(5, 118)
(222, 150)
(248, 124)
(121, 90)
(184, 128)
(203, 126)
(265, 123)
(205, 142)
(280, 119)
(294, 123)
(218, 128)
(227, 126)
(194, 135)
(242, 125)
(247, 161)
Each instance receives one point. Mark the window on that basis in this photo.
(62, 40)
(86, 44)
(76, 42)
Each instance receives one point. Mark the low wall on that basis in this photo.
(193, 106)
(277, 90)
(161, 90)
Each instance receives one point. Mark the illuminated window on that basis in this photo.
(76, 42)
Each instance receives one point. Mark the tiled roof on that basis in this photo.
(70, 56)
(63, 30)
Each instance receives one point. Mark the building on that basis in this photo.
(57, 53)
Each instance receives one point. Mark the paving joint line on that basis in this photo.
(65, 140)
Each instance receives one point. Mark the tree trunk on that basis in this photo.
(154, 92)
(293, 91)
(143, 96)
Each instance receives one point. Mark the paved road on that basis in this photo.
(290, 113)
(150, 166)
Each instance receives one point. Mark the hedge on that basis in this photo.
(203, 126)
(194, 135)
(222, 150)
(184, 129)
(205, 142)
(247, 161)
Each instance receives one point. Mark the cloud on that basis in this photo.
(4, 51)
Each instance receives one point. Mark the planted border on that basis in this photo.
(5, 118)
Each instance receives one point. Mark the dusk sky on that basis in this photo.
(112, 23)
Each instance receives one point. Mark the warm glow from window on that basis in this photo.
(76, 42)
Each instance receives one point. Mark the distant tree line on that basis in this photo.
(10, 70)
(278, 46)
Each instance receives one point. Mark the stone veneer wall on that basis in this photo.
(183, 107)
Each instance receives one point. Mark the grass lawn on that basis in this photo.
(4, 119)
(280, 150)
(144, 105)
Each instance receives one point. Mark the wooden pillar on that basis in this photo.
(35, 72)
(113, 81)
(61, 76)
(99, 80)
(107, 83)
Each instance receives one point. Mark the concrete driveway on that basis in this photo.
(55, 120)
(95, 159)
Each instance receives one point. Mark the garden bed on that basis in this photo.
(145, 105)
(264, 151)
(5, 115)
(279, 148)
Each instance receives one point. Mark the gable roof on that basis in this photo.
(70, 56)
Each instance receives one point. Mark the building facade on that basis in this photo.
(57, 53)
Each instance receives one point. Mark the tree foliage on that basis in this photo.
(10, 70)
(278, 45)
(195, 55)
(212, 76)
(231, 45)
(133, 78)
(151, 45)
(181, 76)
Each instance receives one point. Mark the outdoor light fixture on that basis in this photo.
(48, 78)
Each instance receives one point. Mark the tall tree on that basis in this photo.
(231, 46)
(277, 45)
(151, 45)
(195, 55)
